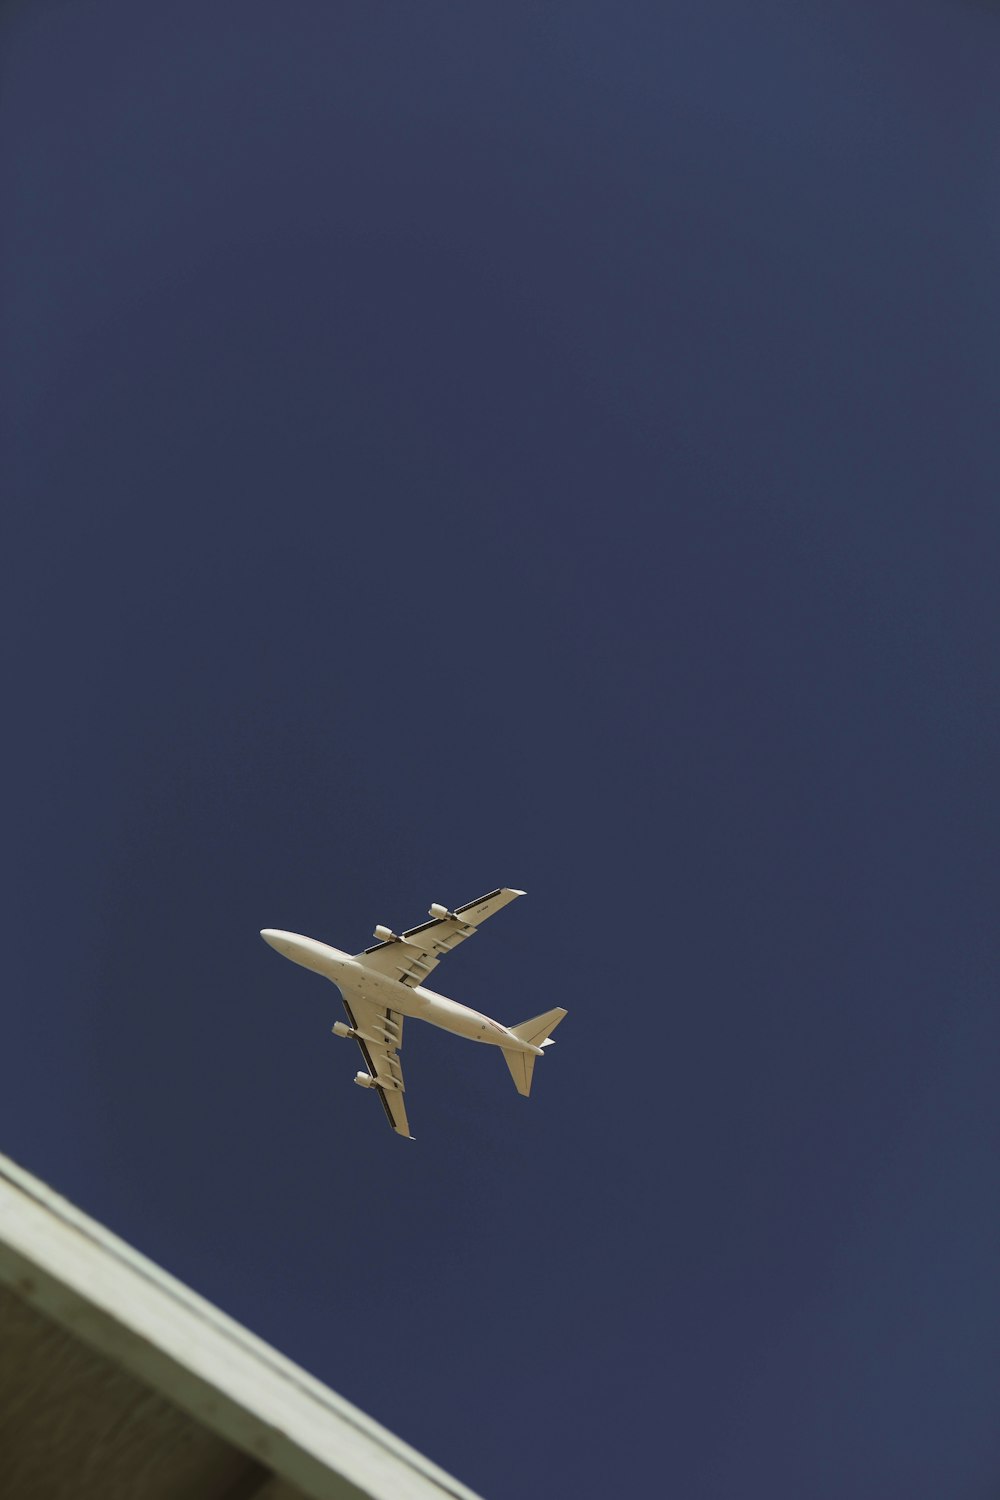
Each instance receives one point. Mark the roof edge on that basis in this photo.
(118, 1302)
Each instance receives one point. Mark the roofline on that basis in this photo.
(115, 1300)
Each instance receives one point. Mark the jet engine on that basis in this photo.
(441, 912)
(364, 1080)
(384, 934)
(341, 1028)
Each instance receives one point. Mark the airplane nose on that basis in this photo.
(271, 936)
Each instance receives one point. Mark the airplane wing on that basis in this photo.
(380, 1036)
(410, 956)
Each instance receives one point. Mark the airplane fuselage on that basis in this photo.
(353, 978)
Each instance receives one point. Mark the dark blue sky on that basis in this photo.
(554, 445)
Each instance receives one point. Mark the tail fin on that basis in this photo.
(536, 1032)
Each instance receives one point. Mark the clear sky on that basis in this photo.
(553, 445)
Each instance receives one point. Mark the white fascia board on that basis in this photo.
(116, 1301)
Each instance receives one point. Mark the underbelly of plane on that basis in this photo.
(425, 1005)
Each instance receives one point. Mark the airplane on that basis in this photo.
(382, 985)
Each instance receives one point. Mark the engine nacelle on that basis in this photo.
(341, 1028)
(441, 912)
(364, 1080)
(385, 934)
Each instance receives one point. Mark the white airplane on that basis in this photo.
(385, 983)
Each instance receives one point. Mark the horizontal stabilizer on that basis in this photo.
(536, 1031)
(521, 1065)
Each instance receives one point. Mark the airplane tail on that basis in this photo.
(536, 1031)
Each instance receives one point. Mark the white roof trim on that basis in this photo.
(118, 1302)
